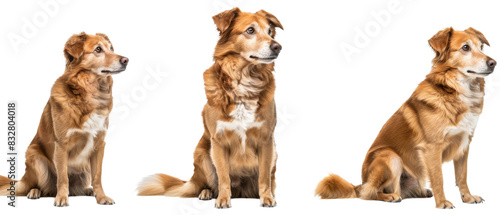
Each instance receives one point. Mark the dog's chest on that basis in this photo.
(94, 124)
(472, 98)
(243, 118)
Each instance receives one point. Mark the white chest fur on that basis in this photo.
(471, 96)
(243, 119)
(94, 124)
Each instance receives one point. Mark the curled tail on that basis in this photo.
(6, 186)
(335, 187)
(161, 184)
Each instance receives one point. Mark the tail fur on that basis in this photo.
(161, 184)
(5, 184)
(335, 187)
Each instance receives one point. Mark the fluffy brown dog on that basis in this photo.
(236, 155)
(67, 152)
(434, 125)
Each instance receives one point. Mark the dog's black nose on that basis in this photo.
(276, 47)
(491, 63)
(124, 61)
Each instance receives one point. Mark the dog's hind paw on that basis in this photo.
(34, 193)
(89, 191)
(205, 194)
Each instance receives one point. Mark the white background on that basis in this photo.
(331, 106)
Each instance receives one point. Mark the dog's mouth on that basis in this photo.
(113, 72)
(479, 73)
(269, 59)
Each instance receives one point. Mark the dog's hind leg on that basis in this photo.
(383, 179)
(205, 175)
(39, 179)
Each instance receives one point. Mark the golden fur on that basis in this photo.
(433, 126)
(236, 156)
(66, 154)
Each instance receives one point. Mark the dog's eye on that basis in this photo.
(466, 48)
(98, 49)
(250, 30)
(269, 32)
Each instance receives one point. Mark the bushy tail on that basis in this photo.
(335, 187)
(161, 184)
(5, 185)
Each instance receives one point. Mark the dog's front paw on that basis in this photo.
(104, 200)
(267, 201)
(445, 205)
(61, 201)
(468, 198)
(223, 202)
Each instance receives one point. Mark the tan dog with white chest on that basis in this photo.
(66, 154)
(434, 125)
(236, 155)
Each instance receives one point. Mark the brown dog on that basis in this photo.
(236, 156)
(67, 151)
(434, 125)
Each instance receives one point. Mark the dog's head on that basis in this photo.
(94, 53)
(462, 50)
(250, 35)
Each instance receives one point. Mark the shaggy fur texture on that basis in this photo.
(236, 155)
(66, 154)
(434, 125)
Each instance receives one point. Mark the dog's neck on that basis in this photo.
(453, 85)
(86, 87)
(245, 81)
(451, 80)
(233, 80)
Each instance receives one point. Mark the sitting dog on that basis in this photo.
(67, 152)
(434, 125)
(236, 156)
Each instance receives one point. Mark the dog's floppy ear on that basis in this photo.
(104, 36)
(74, 47)
(440, 43)
(479, 35)
(271, 18)
(224, 19)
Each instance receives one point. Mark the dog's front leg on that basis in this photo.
(220, 158)
(461, 179)
(96, 168)
(61, 164)
(433, 161)
(266, 165)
